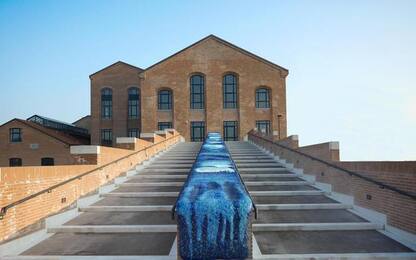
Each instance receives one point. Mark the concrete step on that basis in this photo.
(281, 188)
(262, 183)
(316, 226)
(135, 201)
(140, 194)
(272, 243)
(265, 169)
(114, 229)
(148, 189)
(151, 184)
(308, 216)
(294, 199)
(157, 170)
(267, 175)
(159, 176)
(287, 193)
(109, 218)
(169, 166)
(315, 206)
(126, 208)
(262, 165)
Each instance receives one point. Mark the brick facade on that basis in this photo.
(212, 58)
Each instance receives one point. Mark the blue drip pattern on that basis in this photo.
(213, 208)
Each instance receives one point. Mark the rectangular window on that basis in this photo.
(106, 109)
(106, 137)
(15, 135)
(47, 161)
(133, 108)
(133, 132)
(14, 162)
(230, 130)
(197, 131)
(263, 126)
(164, 125)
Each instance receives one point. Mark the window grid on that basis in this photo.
(262, 98)
(164, 125)
(106, 103)
(197, 92)
(263, 126)
(133, 103)
(197, 131)
(106, 137)
(15, 135)
(230, 91)
(230, 130)
(165, 100)
(133, 132)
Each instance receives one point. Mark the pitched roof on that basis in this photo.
(116, 63)
(82, 118)
(222, 41)
(58, 135)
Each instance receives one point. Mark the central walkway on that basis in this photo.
(294, 216)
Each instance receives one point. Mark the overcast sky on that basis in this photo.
(352, 64)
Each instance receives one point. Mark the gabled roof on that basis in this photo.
(58, 135)
(116, 63)
(224, 42)
(82, 118)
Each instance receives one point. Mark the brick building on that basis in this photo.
(212, 85)
(39, 141)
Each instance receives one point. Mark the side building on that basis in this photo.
(211, 85)
(39, 141)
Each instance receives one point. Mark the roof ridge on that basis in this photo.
(117, 62)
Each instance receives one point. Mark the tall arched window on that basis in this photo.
(229, 85)
(133, 103)
(197, 92)
(165, 99)
(262, 98)
(106, 103)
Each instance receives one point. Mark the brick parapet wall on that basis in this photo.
(327, 151)
(19, 182)
(399, 209)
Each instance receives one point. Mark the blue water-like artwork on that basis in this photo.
(213, 207)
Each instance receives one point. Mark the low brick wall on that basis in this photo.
(399, 209)
(328, 151)
(19, 182)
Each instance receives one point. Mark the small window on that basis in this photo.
(230, 91)
(133, 103)
(106, 137)
(106, 103)
(164, 125)
(262, 98)
(197, 92)
(165, 99)
(15, 135)
(133, 132)
(263, 126)
(15, 162)
(230, 131)
(47, 161)
(197, 131)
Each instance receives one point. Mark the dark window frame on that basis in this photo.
(47, 161)
(262, 97)
(133, 132)
(197, 91)
(230, 130)
(15, 135)
(164, 125)
(163, 104)
(106, 103)
(133, 103)
(15, 162)
(199, 128)
(104, 133)
(265, 123)
(230, 103)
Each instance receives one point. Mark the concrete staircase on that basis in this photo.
(133, 221)
(298, 220)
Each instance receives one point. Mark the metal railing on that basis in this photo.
(351, 173)
(4, 209)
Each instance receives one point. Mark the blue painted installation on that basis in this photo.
(213, 207)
